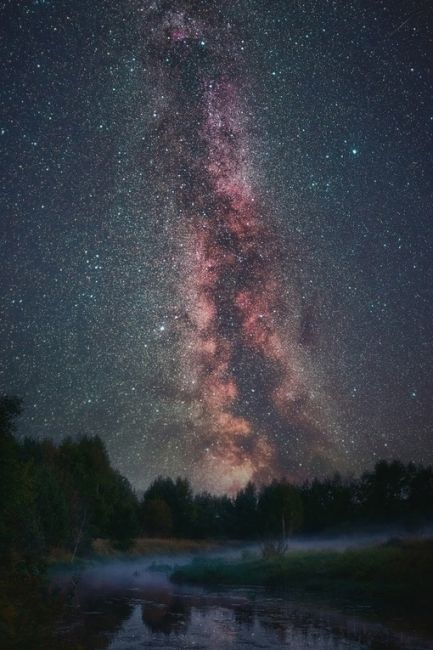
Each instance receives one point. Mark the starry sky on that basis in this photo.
(217, 241)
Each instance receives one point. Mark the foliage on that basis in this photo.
(280, 509)
(68, 494)
(173, 512)
(157, 515)
(58, 496)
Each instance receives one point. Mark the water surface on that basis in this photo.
(130, 605)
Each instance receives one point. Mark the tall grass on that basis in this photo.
(151, 546)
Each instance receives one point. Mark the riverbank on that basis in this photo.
(396, 570)
(143, 546)
(101, 549)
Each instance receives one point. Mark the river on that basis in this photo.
(132, 604)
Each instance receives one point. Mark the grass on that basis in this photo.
(392, 571)
(104, 550)
(151, 546)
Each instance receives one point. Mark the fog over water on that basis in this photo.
(131, 603)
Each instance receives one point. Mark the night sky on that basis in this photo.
(217, 241)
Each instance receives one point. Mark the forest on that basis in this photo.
(65, 495)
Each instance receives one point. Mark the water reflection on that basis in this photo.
(219, 624)
(167, 618)
(122, 607)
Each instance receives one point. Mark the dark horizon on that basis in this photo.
(68, 496)
(336, 477)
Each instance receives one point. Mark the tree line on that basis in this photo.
(391, 493)
(59, 495)
(65, 495)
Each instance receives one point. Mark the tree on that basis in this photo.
(420, 498)
(19, 528)
(384, 492)
(158, 519)
(178, 496)
(280, 509)
(246, 511)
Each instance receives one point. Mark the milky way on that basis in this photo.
(256, 407)
(218, 232)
